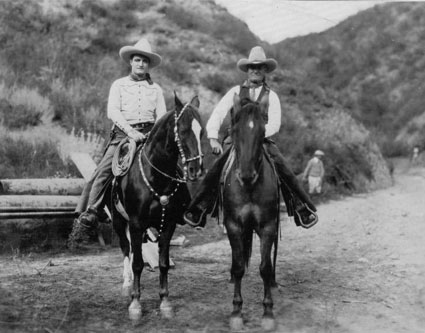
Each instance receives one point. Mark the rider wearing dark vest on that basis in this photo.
(297, 201)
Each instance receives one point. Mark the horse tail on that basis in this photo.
(247, 243)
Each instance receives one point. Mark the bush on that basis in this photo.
(178, 73)
(18, 116)
(186, 19)
(235, 32)
(220, 82)
(40, 158)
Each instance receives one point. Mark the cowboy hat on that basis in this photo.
(143, 48)
(257, 56)
(319, 153)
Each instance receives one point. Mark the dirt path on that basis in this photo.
(361, 269)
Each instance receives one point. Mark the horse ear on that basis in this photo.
(264, 102)
(177, 101)
(236, 102)
(195, 102)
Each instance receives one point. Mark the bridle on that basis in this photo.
(185, 161)
(165, 199)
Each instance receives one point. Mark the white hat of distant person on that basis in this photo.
(257, 56)
(143, 48)
(319, 153)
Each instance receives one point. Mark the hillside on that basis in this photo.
(58, 59)
(374, 62)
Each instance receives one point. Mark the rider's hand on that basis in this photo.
(216, 147)
(136, 136)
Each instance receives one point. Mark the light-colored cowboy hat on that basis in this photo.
(319, 153)
(141, 47)
(257, 56)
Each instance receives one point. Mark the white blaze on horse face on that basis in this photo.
(251, 124)
(196, 128)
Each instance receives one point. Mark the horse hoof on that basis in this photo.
(268, 324)
(236, 324)
(166, 310)
(135, 311)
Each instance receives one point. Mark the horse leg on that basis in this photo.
(135, 308)
(237, 271)
(164, 265)
(266, 271)
(122, 230)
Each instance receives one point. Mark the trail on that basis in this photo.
(360, 269)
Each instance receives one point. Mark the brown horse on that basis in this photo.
(251, 204)
(153, 192)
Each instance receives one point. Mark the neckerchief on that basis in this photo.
(143, 77)
(254, 85)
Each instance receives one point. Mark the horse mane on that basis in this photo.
(247, 108)
(159, 125)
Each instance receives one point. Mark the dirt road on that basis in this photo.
(361, 269)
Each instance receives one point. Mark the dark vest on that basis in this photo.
(244, 93)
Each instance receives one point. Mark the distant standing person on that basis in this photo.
(415, 156)
(314, 173)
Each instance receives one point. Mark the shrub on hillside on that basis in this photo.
(40, 158)
(178, 73)
(19, 116)
(220, 82)
(185, 19)
(235, 32)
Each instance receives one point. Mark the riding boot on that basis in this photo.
(84, 228)
(85, 225)
(206, 194)
(302, 206)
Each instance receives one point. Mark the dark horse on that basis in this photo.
(251, 204)
(152, 194)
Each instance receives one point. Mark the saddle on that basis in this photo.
(121, 162)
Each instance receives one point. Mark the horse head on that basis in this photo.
(248, 132)
(188, 132)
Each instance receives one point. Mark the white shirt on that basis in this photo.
(131, 102)
(226, 103)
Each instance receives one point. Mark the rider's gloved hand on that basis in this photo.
(216, 147)
(136, 136)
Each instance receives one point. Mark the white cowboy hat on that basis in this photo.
(141, 47)
(319, 153)
(257, 56)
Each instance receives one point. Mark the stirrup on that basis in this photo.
(199, 222)
(300, 221)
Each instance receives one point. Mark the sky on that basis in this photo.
(275, 20)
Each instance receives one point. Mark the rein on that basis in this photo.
(165, 199)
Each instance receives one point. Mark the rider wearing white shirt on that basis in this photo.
(254, 88)
(226, 103)
(135, 103)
